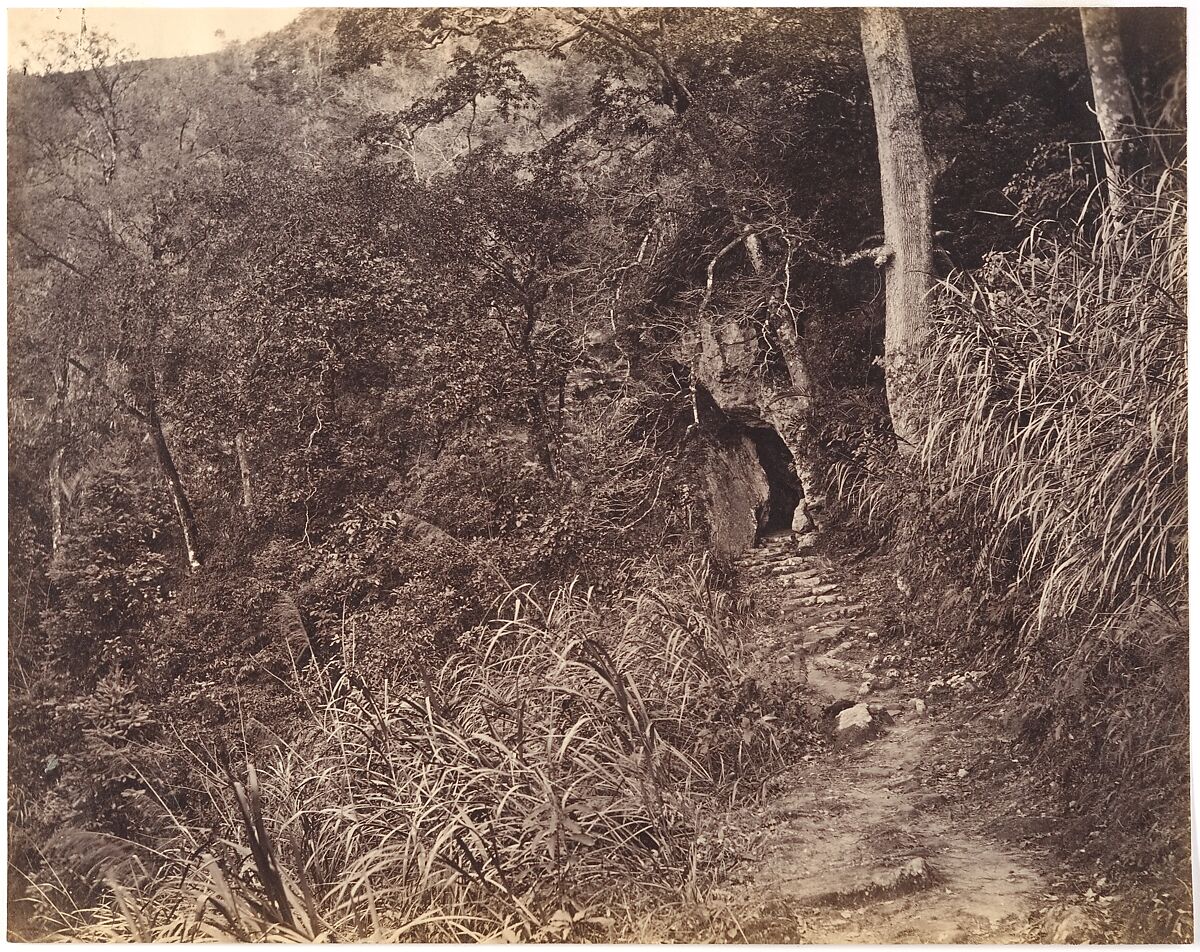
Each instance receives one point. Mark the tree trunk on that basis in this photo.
(1113, 95)
(243, 458)
(183, 509)
(538, 417)
(907, 187)
(58, 428)
(144, 409)
(541, 424)
(56, 499)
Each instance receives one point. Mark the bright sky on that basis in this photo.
(150, 31)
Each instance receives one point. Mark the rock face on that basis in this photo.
(728, 359)
(737, 488)
(756, 439)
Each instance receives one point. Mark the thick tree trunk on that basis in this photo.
(907, 186)
(1113, 95)
(183, 508)
(243, 458)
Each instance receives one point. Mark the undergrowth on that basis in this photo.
(550, 781)
(1048, 507)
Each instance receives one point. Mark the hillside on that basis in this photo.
(607, 475)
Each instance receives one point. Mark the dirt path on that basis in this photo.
(875, 842)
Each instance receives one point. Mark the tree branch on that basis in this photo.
(122, 404)
(46, 252)
(708, 284)
(627, 40)
(881, 255)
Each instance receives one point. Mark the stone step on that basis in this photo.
(794, 563)
(815, 637)
(774, 563)
(804, 578)
(775, 571)
(841, 889)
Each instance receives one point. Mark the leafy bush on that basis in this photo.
(113, 567)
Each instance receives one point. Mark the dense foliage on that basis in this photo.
(343, 364)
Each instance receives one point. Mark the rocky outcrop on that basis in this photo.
(729, 360)
(756, 444)
(736, 487)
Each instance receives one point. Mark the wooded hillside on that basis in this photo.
(394, 403)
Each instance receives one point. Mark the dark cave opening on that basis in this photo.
(783, 485)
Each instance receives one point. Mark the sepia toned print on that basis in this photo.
(616, 475)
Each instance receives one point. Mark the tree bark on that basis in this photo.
(907, 187)
(243, 458)
(1113, 96)
(538, 416)
(183, 508)
(56, 499)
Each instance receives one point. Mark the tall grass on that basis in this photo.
(1057, 414)
(1047, 507)
(546, 779)
(1056, 448)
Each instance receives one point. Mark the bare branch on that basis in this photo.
(881, 255)
(708, 284)
(46, 252)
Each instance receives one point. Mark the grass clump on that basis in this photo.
(1058, 412)
(547, 782)
(1047, 506)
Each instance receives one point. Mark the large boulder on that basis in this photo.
(726, 356)
(736, 487)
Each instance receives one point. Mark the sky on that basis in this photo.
(151, 31)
